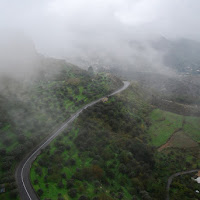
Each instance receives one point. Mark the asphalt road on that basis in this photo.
(175, 175)
(22, 173)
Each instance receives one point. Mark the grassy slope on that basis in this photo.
(42, 106)
(164, 124)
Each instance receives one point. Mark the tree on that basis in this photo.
(83, 197)
(110, 173)
(91, 70)
(7, 141)
(61, 198)
(97, 171)
(122, 168)
(70, 183)
(2, 152)
(35, 182)
(145, 195)
(21, 138)
(60, 184)
(64, 175)
(14, 193)
(105, 197)
(120, 195)
(40, 192)
(96, 198)
(72, 192)
(6, 165)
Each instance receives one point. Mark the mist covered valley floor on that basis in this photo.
(123, 148)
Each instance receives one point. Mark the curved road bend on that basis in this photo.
(170, 179)
(22, 173)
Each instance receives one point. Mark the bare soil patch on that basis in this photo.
(179, 140)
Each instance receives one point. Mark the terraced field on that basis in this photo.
(181, 129)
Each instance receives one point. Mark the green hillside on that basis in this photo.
(109, 153)
(96, 157)
(30, 111)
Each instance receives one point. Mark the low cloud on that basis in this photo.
(90, 31)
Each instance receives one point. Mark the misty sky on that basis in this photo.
(58, 26)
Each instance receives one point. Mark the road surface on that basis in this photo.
(22, 173)
(175, 175)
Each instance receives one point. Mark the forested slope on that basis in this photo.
(108, 154)
(31, 109)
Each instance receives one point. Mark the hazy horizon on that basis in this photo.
(59, 27)
(107, 33)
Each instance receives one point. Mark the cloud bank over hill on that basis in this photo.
(102, 32)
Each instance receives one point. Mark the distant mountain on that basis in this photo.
(181, 55)
(158, 55)
(19, 59)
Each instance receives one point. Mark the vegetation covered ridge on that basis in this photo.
(31, 111)
(108, 154)
(93, 155)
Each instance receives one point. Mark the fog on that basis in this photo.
(98, 32)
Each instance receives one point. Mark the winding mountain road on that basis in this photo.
(22, 173)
